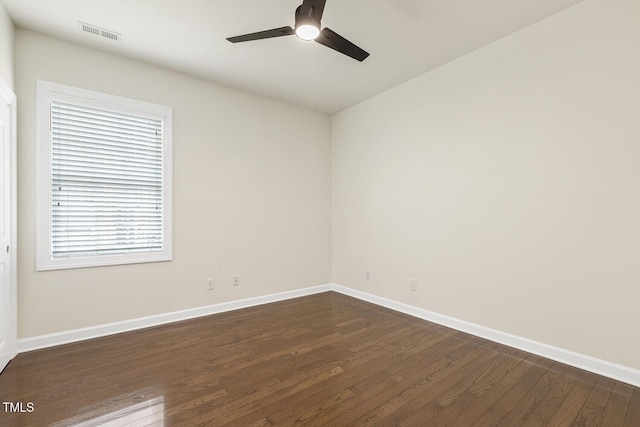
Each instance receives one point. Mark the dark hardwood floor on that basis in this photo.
(319, 360)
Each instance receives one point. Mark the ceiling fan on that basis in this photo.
(307, 20)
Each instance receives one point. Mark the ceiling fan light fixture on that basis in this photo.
(307, 27)
(307, 32)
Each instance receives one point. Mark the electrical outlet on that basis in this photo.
(236, 280)
(414, 284)
(367, 275)
(210, 283)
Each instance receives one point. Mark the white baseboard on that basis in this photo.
(602, 367)
(598, 366)
(66, 337)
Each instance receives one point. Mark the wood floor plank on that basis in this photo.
(301, 400)
(572, 404)
(361, 364)
(528, 405)
(592, 412)
(466, 417)
(632, 417)
(616, 409)
(428, 380)
(549, 405)
(320, 360)
(453, 406)
(496, 413)
(370, 387)
(442, 395)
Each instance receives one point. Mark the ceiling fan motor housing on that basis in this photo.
(306, 17)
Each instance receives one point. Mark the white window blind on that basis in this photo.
(106, 179)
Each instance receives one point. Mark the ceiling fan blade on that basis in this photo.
(276, 32)
(336, 42)
(317, 5)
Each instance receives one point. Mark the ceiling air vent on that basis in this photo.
(101, 32)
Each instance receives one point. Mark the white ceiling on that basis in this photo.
(405, 38)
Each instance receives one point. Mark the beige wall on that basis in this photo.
(252, 193)
(6, 46)
(508, 183)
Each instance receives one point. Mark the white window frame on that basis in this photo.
(48, 92)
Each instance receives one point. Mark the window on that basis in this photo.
(104, 189)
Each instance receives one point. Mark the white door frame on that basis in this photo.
(7, 97)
